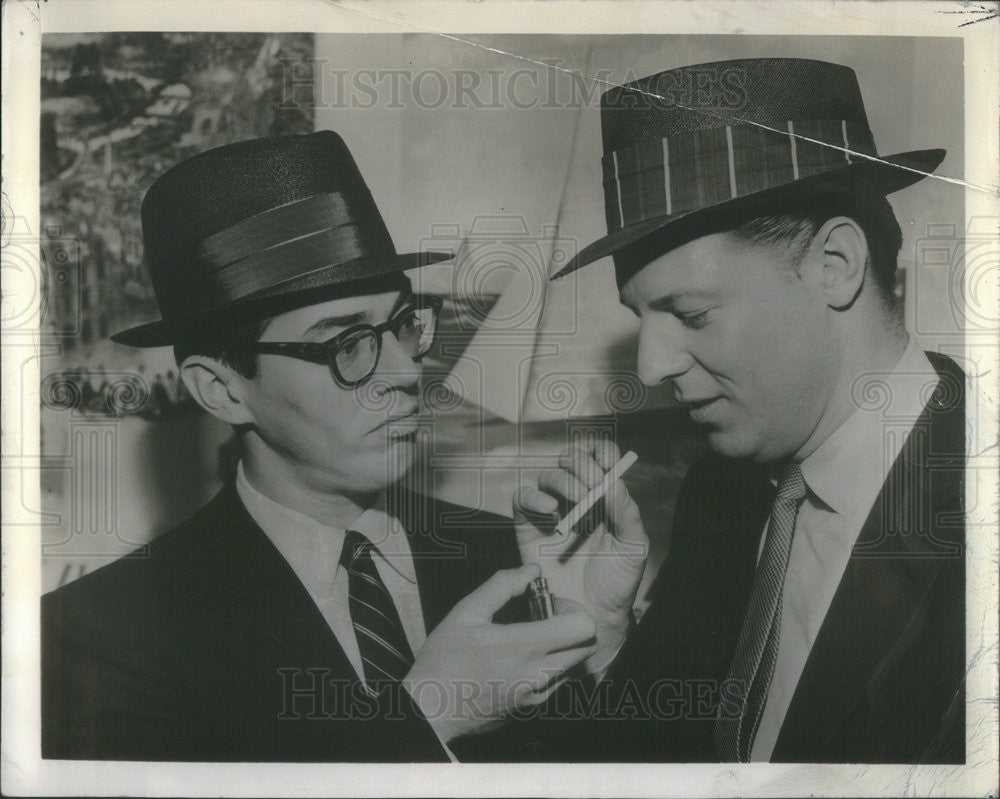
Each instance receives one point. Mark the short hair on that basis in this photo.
(225, 341)
(795, 224)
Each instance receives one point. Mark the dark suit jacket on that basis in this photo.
(884, 681)
(209, 648)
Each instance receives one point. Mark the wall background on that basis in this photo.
(124, 452)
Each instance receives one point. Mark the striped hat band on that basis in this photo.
(690, 171)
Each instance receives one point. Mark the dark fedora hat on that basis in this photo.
(264, 223)
(731, 136)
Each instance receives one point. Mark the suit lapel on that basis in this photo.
(454, 550)
(263, 589)
(435, 562)
(883, 592)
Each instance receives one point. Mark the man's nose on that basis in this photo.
(662, 353)
(396, 367)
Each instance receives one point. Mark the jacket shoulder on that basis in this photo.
(447, 521)
(151, 581)
(945, 410)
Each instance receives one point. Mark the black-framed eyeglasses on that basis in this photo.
(353, 355)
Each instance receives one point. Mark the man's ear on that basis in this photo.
(217, 388)
(844, 258)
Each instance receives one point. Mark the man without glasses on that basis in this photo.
(811, 607)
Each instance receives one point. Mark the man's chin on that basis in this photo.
(401, 455)
(736, 447)
(394, 460)
(729, 444)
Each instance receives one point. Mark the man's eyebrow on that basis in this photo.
(348, 320)
(327, 323)
(404, 298)
(669, 302)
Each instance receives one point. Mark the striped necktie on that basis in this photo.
(757, 648)
(385, 652)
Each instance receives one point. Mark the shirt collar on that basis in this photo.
(387, 533)
(309, 545)
(847, 470)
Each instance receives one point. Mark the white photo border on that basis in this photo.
(24, 773)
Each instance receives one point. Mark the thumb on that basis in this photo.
(534, 519)
(625, 516)
(492, 595)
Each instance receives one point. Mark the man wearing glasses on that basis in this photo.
(314, 610)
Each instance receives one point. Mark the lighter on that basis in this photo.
(540, 600)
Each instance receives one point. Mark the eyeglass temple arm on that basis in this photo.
(306, 351)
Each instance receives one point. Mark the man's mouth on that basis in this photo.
(401, 424)
(700, 410)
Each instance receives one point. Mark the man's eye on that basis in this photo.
(695, 320)
(408, 321)
(353, 346)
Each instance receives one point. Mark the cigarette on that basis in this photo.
(598, 491)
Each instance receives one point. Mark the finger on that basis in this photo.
(551, 674)
(549, 635)
(535, 518)
(607, 454)
(526, 693)
(561, 483)
(582, 466)
(532, 698)
(559, 662)
(547, 678)
(492, 595)
(530, 504)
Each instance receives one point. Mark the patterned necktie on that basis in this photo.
(757, 648)
(385, 652)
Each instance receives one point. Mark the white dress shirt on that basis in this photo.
(313, 551)
(844, 476)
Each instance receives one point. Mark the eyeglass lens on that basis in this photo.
(357, 355)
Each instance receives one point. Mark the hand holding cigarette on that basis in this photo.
(601, 571)
(595, 494)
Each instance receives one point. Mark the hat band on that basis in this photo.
(269, 248)
(687, 172)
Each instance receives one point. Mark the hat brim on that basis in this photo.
(888, 174)
(297, 292)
